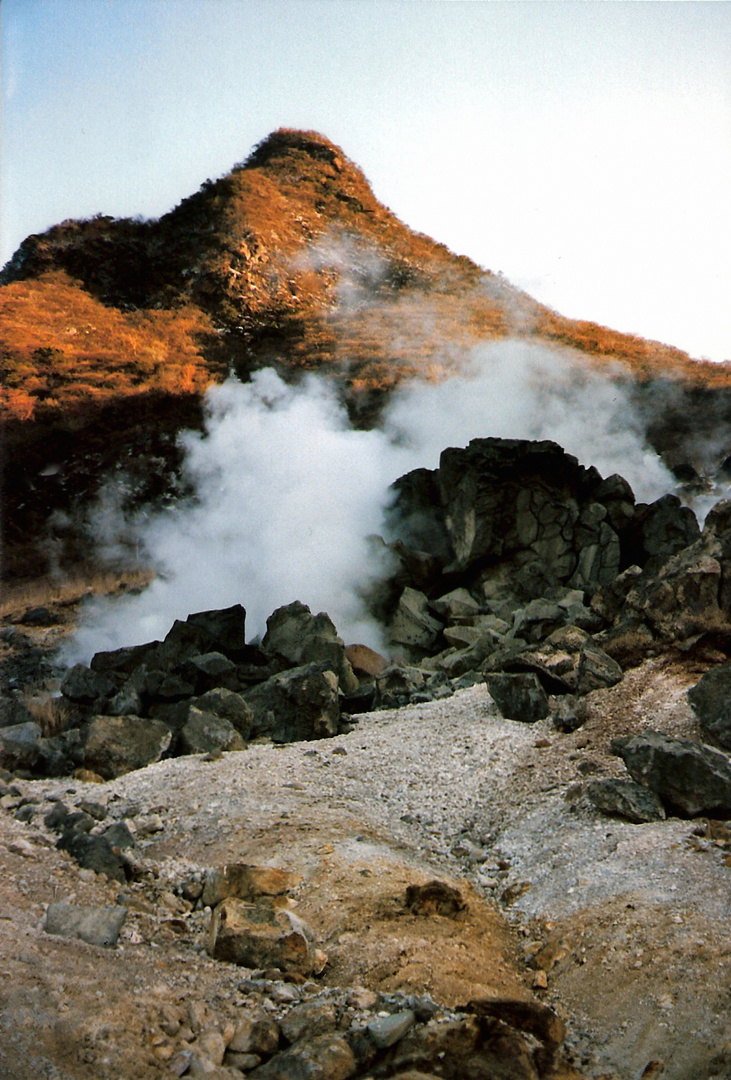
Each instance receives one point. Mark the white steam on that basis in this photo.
(287, 492)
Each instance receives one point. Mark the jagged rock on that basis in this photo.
(711, 701)
(224, 627)
(365, 662)
(416, 514)
(536, 1019)
(570, 714)
(93, 853)
(609, 599)
(309, 1018)
(84, 686)
(13, 711)
(124, 661)
(626, 799)
(456, 603)
(301, 638)
(661, 530)
(259, 936)
(245, 883)
(682, 598)
(454, 1043)
(204, 732)
(256, 1033)
(596, 670)
(395, 686)
(95, 925)
(456, 662)
(161, 685)
(299, 704)
(690, 778)
(324, 1057)
(388, 1030)
(119, 744)
(538, 619)
(229, 705)
(412, 624)
(518, 697)
(20, 746)
(210, 670)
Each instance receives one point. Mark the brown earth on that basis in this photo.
(624, 929)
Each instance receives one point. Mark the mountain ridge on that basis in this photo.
(111, 329)
(289, 260)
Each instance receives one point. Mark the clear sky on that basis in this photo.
(583, 149)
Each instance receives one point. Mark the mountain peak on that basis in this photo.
(282, 142)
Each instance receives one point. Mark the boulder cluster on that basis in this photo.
(511, 564)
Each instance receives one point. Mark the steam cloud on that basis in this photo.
(287, 492)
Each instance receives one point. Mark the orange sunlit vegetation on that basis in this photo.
(62, 349)
(288, 260)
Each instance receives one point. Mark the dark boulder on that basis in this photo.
(302, 703)
(20, 746)
(660, 531)
(689, 777)
(224, 627)
(230, 706)
(210, 670)
(298, 637)
(626, 799)
(711, 701)
(85, 686)
(518, 697)
(94, 853)
(204, 733)
(119, 744)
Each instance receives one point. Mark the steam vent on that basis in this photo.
(365, 656)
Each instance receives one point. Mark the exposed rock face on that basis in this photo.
(509, 505)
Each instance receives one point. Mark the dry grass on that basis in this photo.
(45, 592)
(49, 712)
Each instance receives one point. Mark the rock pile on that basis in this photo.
(515, 565)
(200, 690)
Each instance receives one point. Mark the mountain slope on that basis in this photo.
(288, 261)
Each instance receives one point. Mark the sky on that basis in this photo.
(583, 149)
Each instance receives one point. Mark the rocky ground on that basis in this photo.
(622, 929)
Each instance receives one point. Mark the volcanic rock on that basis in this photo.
(711, 701)
(518, 697)
(85, 686)
(324, 1057)
(302, 703)
(204, 733)
(229, 705)
(625, 799)
(299, 637)
(245, 883)
(118, 744)
(95, 925)
(412, 624)
(20, 746)
(258, 936)
(690, 778)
